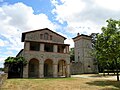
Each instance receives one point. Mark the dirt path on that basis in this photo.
(96, 76)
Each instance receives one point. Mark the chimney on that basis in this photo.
(78, 34)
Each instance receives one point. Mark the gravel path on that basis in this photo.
(95, 76)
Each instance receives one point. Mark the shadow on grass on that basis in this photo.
(115, 85)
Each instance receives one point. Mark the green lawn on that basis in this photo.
(60, 84)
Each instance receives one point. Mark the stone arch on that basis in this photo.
(48, 68)
(33, 70)
(62, 68)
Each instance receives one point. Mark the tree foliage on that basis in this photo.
(15, 60)
(107, 46)
(72, 55)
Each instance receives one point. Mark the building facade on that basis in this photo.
(46, 54)
(84, 62)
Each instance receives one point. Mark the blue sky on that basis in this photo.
(66, 17)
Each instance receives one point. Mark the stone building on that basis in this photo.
(46, 54)
(84, 62)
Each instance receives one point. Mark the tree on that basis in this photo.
(15, 66)
(72, 55)
(94, 37)
(1, 69)
(107, 46)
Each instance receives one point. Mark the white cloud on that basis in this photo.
(2, 61)
(85, 16)
(40, 21)
(1, 43)
(69, 41)
(67, 9)
(18, 18)
(109, 4)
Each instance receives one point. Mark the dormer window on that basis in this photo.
(46, 36)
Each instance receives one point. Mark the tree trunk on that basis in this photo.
(117, 70)
(103, 72)
(108, 72)
(114, 72)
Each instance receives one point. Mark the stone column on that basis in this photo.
(67, 49)
(27, 46)
(41, 70)
(55, 72)
(25, 71)
(68, 70)
(42, 47)
(55, 48)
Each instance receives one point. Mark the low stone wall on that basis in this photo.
(76, 68)
(3, 77)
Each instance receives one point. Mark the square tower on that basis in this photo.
(83, 47)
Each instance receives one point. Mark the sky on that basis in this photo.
(66, 17)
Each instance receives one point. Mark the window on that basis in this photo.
(88, 66)
(78, 57)
(48, 48)
(34, 46)
(46, 36)
(41, 36)
(50, 37)
(61, 48)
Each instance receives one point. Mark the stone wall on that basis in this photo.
(46, 55)
(42, 57)
(35, 36)
(3, 77)
(76, 68)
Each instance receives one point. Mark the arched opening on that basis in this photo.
(48, 68)
(34, 68)
(62, 68)
(14, 71)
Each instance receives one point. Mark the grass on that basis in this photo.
(60, 84)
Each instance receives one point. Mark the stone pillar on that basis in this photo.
(68, 70)
(55, 48)
(41, 70)
(55, 72)
(27, 46)
(67, 49)
(25, 71)
(42, 47)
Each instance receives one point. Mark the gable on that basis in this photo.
(43, 35)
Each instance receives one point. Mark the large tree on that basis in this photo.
(107, 46)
